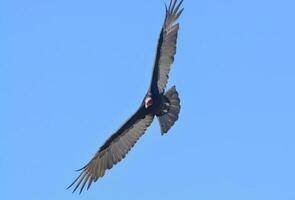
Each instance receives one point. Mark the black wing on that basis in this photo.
(166, 48)
(114, 149)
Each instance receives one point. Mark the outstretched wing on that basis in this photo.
(114, 149)
(166, 48)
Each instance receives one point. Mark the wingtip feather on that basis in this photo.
(174, 3)
(170, 4)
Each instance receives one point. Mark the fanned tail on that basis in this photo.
(168, 119)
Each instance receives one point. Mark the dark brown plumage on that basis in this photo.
(166, 106)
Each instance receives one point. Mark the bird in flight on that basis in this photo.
(165, 105)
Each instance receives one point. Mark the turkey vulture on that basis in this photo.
(157, 102)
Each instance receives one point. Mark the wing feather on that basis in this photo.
(114, 149)
(166, 48)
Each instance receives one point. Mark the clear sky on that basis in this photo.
(71, 72)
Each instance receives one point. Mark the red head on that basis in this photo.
(148, 102)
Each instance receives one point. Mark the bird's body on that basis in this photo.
(164, 105)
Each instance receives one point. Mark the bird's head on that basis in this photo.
(148, 101)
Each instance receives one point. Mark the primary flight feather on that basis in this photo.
(164, 105)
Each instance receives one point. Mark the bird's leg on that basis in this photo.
(164, 108)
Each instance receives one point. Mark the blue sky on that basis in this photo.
(71, 72)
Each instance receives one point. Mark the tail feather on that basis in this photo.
(168, 119)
